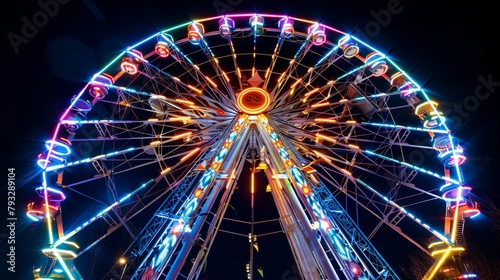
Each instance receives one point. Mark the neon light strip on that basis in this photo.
(87, 160)
(64, 266)
(326, 55)
(172, 44)
(402, 209)
(438, 265)
(446, 179)
(47, 209)
(407, 127)
(107, 209)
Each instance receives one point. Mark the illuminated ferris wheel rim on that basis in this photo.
(257, 19)
(60, 149)
(100, 83)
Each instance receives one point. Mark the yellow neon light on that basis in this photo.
(345, 171)
(184, 120)
(47, 213)
(322, 156)
(190, 154)
(195, 89)
(211, 82)
(320, 104)
(435, 244)
(67, 253)
(225, 76)
(182, 135)
(252, 183)
(184, 101)
(296, 83)
(165, 170)
(449, 249)
(311, 92)
(281, 77)
(72, 244)
(334, 141)
(320, 120)
(426, 107)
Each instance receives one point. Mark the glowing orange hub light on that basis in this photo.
(253, 100)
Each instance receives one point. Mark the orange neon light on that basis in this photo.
(190, 154)
(253, 100)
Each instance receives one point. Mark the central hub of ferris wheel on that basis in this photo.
(253, 100)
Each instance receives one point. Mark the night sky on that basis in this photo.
(450, 49)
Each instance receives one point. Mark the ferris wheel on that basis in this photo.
(144, 163)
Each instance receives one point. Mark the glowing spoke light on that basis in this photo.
(403, 210)
(416, 168)
(100, 214)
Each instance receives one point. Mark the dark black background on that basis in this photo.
(448, 48)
